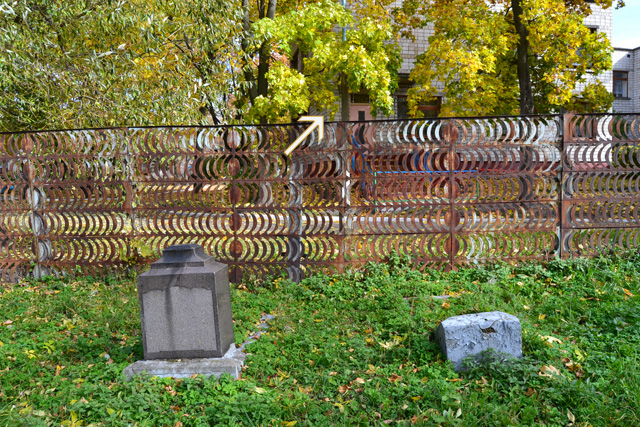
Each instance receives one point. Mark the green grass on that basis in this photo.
(354, 350)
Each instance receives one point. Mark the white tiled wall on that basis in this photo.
(602, 19)
(623, 60)
(635, 80)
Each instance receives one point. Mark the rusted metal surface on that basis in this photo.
(447, 192)
(602, 183)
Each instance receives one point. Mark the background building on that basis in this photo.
(626, 81)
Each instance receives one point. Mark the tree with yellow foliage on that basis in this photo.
(509, 56)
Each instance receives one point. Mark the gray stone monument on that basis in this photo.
(185, 308)
(471, 334)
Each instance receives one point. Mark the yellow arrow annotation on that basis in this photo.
(318, 122)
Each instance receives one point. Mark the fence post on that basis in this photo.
(564, 227)
(36, 198)
(294, 240)
(452, 218)
(130, 183)
(343, 154)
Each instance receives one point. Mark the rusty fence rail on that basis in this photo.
(450, 193)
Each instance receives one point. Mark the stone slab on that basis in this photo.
(471, 334)
(185, 305)
(231, 363)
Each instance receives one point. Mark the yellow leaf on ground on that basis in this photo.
(548, 371)
(549, 339)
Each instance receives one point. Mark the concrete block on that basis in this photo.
(470, 334)
(185, 306)
(231, 363)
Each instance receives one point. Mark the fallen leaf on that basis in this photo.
(390, 344)
(259, 390)
(482, 382)
(343, 389)
(7, 322)
(571, 417)
(446, 305)
(549, 339)
(530, 392)
(358, 381)
(627, 292)
(393, 378)
(542, 316)
(548, 371)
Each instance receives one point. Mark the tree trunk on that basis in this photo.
(344, 99)
(251, 91)
(524, 77)
(265, 56)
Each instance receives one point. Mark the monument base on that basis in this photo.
(231, 363)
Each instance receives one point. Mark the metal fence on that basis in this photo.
(448, 192)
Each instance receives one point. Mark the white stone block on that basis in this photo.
(470, 334)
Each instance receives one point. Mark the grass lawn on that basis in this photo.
(354, 350)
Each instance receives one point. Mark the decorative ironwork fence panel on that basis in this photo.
(448, 192)
(601, 183)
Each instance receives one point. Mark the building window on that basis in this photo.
(621, 84)
(360, 98)
(429, 110)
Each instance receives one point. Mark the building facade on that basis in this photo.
(626, 80)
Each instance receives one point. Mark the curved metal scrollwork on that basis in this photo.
(447, 192)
